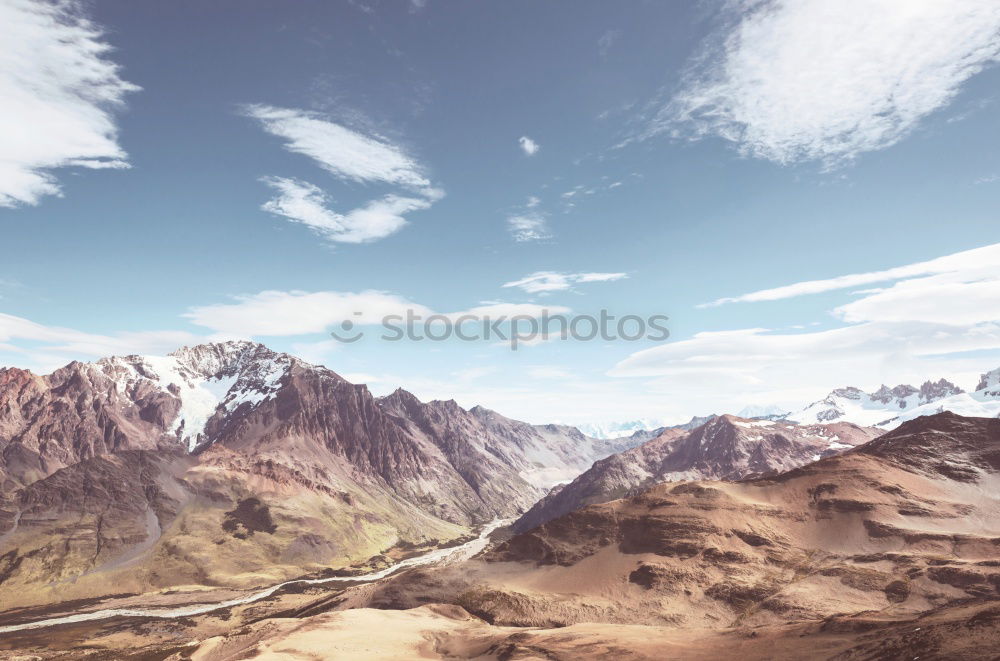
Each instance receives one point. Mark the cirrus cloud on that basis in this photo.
(964, 262)
(350, 156)
(529, 226)
(802, 80)
(301, 202)
(345, 153)
(59, 91)
(943, 312)
(550, 281)
(284, 313)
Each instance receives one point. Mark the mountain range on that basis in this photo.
(224, 468)
(725, 447)
(885, 407)
(885, 551)
(228, 464)
(889, 407)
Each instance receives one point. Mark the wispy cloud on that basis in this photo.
(606, 41)
(740, 365)
(302, 202)
(280, 313)
(550, 281)
(59, 92)
(815, 80)
(350, 156)
(937, 313)
(47, 347)
(275, 313)
(528, 146)
(529, 226)
(343, 152)
(967, 261)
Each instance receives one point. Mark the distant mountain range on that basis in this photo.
(724, 447)
(890, 407)
(885, 408)
(619, 429)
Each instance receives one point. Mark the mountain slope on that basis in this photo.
(230, 464)
(725, 447)
(906, 524)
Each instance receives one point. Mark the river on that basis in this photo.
(461, 552)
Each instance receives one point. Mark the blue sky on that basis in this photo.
(177, 172)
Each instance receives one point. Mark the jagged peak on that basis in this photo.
(482, 412)
(227, 357)
(695, 422)
(400, 394)
(990, 379)
(849, 392)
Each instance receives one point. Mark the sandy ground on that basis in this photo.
(970, 631)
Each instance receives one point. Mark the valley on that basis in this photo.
(300, 511)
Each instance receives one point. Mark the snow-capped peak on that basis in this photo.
(989, 381)
(616, 429)
(890, 407)
(205, 378)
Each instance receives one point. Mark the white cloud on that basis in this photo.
(967, 261)
(723, 370)
(495, 310)
(818, 80)
(941, 318)
(285, 313)
(351, 156)
(528, 146)
(59, 90)
(278, 313)
(49, 347)
(301, 202)
(344, 153)
(965, 298)
(531, 226)
(549, 281)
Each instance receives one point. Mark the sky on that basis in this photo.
(807, 190)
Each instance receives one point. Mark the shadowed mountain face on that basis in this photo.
(77, 412)
(725, 447)
(131, 469)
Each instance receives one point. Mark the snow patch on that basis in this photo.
(205, 379)
(754, 423)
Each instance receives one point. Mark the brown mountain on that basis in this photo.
(230, 464)
(724, 448)
(888, 550)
